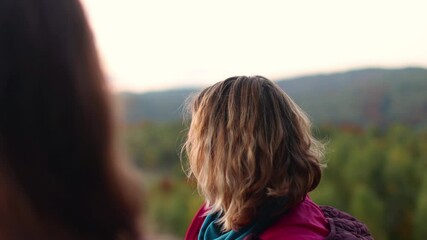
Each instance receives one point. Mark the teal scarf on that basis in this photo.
(212, 231)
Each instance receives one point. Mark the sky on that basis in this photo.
(162, 44)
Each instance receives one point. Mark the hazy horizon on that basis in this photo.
(285, 78)
(157, 45)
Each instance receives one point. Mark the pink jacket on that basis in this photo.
(305, 221)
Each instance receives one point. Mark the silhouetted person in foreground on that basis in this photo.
(251, 151)
(60, 173)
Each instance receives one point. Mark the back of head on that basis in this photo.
(248, 143)
(57, 155)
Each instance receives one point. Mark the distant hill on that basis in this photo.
(160, 106)
(364, 97)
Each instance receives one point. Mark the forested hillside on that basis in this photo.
(366, 97)
(374, 124)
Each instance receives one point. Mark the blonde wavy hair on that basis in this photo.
(248, 142)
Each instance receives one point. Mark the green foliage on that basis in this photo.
(155, 146)
(420, 229)
(377, 175)
(369, 208)
(172, 204)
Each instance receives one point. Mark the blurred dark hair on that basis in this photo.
(59, 171)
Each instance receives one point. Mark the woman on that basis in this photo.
(251, 151)
(60, 175)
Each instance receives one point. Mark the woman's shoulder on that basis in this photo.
(304, 221)
(309, 221)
